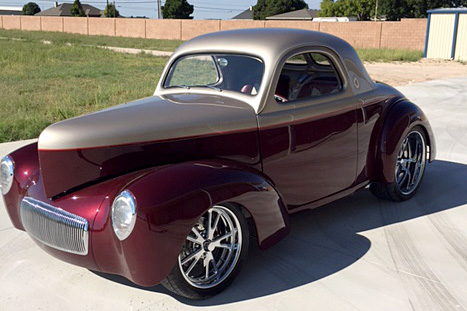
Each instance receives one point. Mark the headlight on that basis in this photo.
(124, 214)
(7, 170)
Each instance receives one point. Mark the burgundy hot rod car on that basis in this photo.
(244, 126)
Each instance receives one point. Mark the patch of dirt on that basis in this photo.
(399, 73)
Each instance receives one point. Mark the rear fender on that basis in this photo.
(400, 120)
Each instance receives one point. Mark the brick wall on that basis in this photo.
(163, 29)
(77, 25)
(30, 23)
(406, 34)
(11, 22)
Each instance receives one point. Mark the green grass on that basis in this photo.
(42, 84)
(388, 55)
(62, 38)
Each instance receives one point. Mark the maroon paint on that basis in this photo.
(313, 158)
(371, 118)
(26, 173)
(67, 169)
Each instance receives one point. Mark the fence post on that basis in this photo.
(181, 30)
(380, 34)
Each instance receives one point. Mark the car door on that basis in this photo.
(308, 128)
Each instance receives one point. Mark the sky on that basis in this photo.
(204, 9)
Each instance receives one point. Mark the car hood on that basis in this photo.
(150, 119)
(141, 134)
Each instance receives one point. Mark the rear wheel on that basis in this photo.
(212, 254)
(409, 168)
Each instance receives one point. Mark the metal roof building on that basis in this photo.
(446, 35)
(11, 10)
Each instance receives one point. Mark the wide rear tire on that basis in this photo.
(409, 168)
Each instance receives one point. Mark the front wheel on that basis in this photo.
(212, 254)
(409, 168)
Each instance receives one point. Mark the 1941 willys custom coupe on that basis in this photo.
(245, 128)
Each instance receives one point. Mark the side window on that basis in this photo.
(307, 75)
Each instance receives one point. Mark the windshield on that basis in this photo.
(239, 73)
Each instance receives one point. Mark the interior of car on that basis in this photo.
(307, 75)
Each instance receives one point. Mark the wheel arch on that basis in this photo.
(400, 119)
(213, 182)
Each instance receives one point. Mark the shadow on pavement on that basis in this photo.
(326, 240)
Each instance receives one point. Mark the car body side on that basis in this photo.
(284, 159)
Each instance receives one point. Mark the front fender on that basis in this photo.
(171, 199)
(402, 117)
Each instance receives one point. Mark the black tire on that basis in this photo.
(407, 164)
(186, 284)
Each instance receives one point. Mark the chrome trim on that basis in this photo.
(130, 200)
(7, 170)
(55, 227)
(212, 249)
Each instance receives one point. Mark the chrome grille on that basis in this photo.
(55, 227)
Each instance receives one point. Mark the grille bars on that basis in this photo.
(55, 227)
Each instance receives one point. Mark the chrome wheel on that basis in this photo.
(212, 249)
(410, 163)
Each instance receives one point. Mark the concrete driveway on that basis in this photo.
(359, 253)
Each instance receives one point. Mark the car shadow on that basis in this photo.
(326, 240)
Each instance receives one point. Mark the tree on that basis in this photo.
(265, 8)
(31, 8)
(397, 9)
(177, 9)
(392, 9)
(111, 11)
(326, 8)
(361, 9)
(77, 9)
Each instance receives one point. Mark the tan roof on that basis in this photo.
(304, 14)
(64, 9)
(247, 14)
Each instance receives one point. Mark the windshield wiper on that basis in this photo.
(209, 86)
(214, 88)
(180, 86)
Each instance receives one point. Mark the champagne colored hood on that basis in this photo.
(150, 119)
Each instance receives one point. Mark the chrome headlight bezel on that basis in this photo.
(123, 214)
(7, 172)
